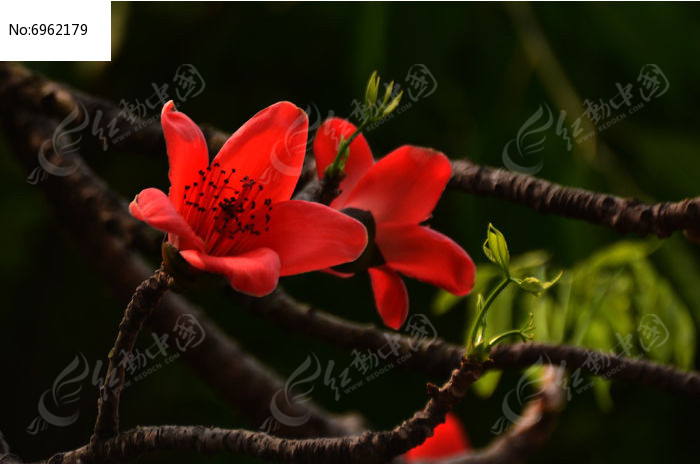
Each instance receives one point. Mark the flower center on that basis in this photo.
(223, 209)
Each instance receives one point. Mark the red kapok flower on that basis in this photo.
(234, 216)
(393, 197)
(449, 439)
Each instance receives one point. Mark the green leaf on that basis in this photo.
(496, 248)
(387, 93)
(621, 253)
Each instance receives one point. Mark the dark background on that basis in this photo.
(494, 64)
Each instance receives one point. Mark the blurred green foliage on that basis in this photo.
(614, 301)
(494, 65)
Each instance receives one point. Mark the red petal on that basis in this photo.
(154, 208)
(426, 255)
(449, 439)
(326, 148)
(187, 151)
(270, 149)
(255, 272)
(390, 295)
(310, 236)
(404, 186)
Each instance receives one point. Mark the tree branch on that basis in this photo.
(623, 215)
(527, 436)
(438, 357)
(369, 447)
(142, 304)
(604, 365)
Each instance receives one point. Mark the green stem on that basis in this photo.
(482, 313)
(507, 334)
(345, 144)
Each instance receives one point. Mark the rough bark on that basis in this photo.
(369, 447)
(142, 304)
(623, 215)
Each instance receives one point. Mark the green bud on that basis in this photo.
(392, 106)
(387, 93)
(372, 89)
(531, 284)
(536, 286)
(496, 248)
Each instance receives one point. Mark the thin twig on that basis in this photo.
(143, 302)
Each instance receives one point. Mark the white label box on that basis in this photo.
(58, 30)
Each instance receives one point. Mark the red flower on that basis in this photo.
(234, 216)
(400, 191)
(449, 440)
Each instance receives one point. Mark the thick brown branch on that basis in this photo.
(608, 366)
(369, 447)
(432, 356)
(519, 442)
(624, 215)
(437, 357)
